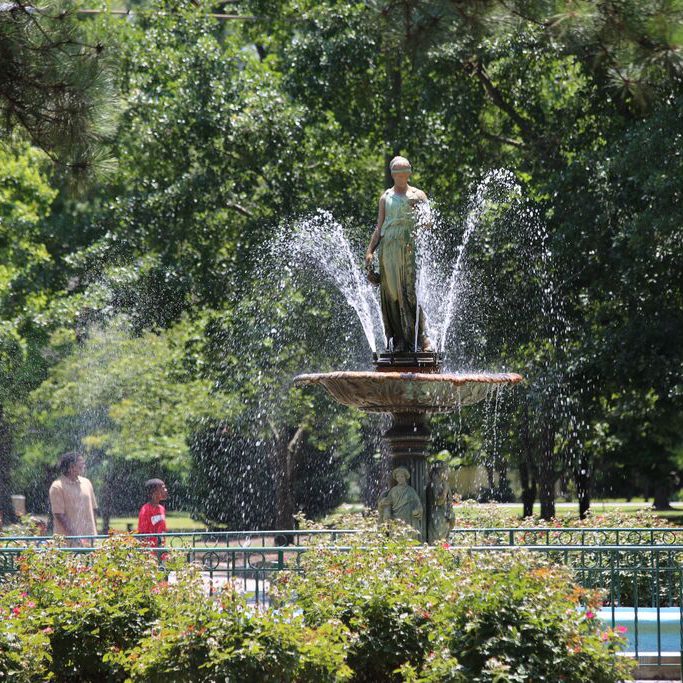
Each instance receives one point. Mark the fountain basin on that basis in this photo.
(408, 392)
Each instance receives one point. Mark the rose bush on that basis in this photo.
(383, 608)
(436, 613)
(111, 615)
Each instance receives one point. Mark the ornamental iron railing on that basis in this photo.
(642, 582)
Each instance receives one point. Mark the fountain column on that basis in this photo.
(408, 441)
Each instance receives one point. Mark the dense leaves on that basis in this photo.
(115, 614)
(228, 132)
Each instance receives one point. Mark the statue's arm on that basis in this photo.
(376, 235)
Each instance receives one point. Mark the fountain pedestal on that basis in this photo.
(408, 440)
(410, 397)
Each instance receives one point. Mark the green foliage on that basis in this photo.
(423, 613)
(112, 615)
(83, 607)
(54, 83)
(128, 401)
(470, 514)
(384, 609)
(227, 131)
(205, 642)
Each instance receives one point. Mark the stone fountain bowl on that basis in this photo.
(408, 392)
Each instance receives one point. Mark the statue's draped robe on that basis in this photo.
(440, 505)
(397, 272)
(401, 501)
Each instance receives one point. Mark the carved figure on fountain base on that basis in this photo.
(440, 517)
(401, 501)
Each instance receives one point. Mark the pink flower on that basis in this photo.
(621, 629)
(16, 611)
(590, 615)
(604, 635)
(446, 545)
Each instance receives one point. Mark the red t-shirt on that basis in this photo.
(152, 520)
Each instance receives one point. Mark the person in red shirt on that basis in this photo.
(152, 516)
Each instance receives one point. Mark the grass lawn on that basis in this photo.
(513, 510)
(175, 521)
(181, 521)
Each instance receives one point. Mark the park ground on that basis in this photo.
(181, 521)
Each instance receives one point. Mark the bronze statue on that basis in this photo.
(401, 501)
(439, 504)
(402, 210)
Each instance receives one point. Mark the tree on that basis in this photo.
(127, 401)
(53, 85)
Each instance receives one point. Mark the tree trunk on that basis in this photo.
(285, 450)
(660, 499)
(526, 467)
(490, 476)
(582, 479)
(547, 495)
(6, 510)
(106, 522)
(392, 132)
(546, 472)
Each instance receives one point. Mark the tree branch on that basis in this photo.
(502, 139)
(240, 209)
(497, 98)
(294, 442)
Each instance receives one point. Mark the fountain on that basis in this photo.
(408, 382)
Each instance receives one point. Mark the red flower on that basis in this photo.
(446, 545)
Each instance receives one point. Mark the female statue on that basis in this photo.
(402, 210)
(401, 501)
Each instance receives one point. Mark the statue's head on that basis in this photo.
(400, 165)
(401, 475)
(438, 471)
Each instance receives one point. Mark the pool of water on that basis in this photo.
(647, 641)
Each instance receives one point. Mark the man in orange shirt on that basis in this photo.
(72, 499)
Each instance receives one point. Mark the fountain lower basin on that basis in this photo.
(408, 392)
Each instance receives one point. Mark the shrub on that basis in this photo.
(111, 615)
(383, 609)
(85, 606)
(470, 514)
(200, 642)
(435, 614)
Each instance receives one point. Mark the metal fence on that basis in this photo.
(640, 571)
(247, 559)
(570, 536)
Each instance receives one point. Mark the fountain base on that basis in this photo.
(408, 443)
(418, 361)
(410, 387)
